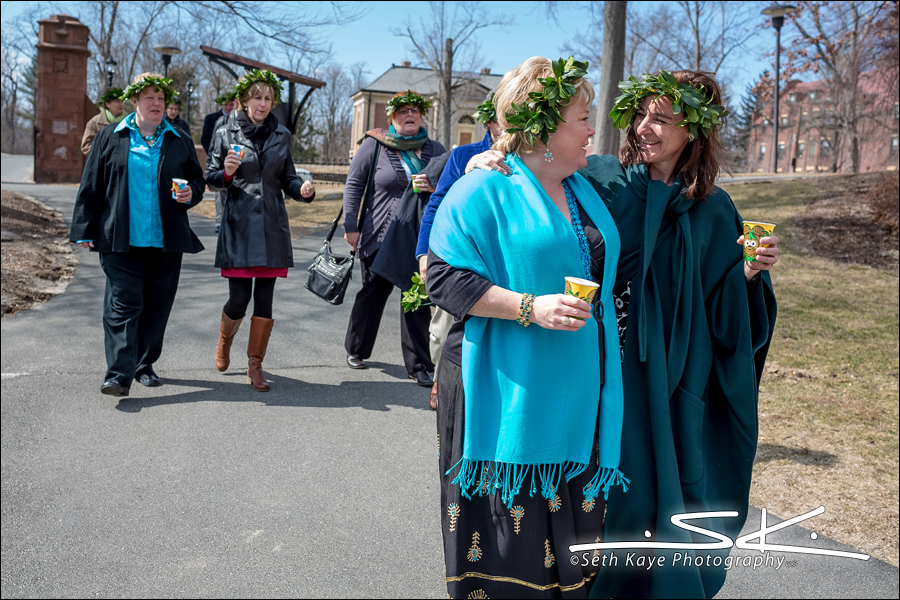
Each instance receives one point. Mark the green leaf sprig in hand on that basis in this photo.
(413, 298)
(539, 116)
(700, 114)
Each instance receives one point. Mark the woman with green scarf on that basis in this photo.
(112, 111)
(395, 158)
(695, 323)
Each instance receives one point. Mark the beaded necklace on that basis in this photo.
(151, 139)
(579, 232)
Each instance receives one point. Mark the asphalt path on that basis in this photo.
(326, 486)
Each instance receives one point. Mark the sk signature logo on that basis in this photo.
(723, 540)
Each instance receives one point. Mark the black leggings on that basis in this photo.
(240, 289)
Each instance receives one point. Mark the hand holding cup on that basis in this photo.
(181, 191)
(233, 160)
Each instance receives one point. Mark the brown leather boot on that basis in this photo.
(227, 329)
(260, 330)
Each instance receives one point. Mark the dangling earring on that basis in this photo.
(548, 156)
(690, 137)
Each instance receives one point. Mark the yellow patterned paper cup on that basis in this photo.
(582, 289)
(753, 232)
(177, 186)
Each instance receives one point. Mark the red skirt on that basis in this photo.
(249, 272)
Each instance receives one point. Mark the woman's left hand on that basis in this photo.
(766, 256)
(421, 182)
(184, 195)
(307, 190)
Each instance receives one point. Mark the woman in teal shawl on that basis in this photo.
(529, 418)
(694, 335)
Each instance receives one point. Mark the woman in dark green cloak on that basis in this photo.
(695, 325)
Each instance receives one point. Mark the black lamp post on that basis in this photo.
(110, 71)
(189, 87)
(167, 53)
(777, 12)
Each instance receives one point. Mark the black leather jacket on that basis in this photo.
(255, 230)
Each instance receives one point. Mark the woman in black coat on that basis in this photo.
(398, 157)
(255, 237)
(127, 212)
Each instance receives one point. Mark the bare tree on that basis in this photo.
(843, 43)
(438, 40)
(611, 70)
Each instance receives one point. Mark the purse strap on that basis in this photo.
(362, 211)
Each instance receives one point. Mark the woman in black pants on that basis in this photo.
(255, 237)
(398, 157)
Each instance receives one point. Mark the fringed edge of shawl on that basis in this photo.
(484, 477)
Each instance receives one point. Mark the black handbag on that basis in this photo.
(329, 274)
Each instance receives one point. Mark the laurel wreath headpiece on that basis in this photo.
(110, 94)
(486, 112)
(140, 85)
(700, 114)
(539, 116)
(223, 98)
(410, 98)
(267, 77)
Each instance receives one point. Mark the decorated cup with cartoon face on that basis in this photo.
(581, 289)
(177, 186)
(754, 231)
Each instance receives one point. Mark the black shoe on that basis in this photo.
(423, 378)
(355, 363)
(149, 379)
(113, 388)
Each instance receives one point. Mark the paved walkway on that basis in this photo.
(327, 486)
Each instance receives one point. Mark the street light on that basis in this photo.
(777, 12)
(189, 87)
(167, 53)
(110, 71)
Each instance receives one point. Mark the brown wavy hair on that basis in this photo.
(702, 159)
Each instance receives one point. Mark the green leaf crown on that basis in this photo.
(143, 83)
(223, 98)
(700, 114)
(539, 116)
(110, 94)
(486, 111)
(267, 77)
(410, 98)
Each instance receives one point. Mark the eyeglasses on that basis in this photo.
(408, 111)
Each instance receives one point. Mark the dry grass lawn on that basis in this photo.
(829, 399)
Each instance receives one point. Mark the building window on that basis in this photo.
(800, 148)
(812, 96)
(762, 151)
(780, 150)
(812, 150)
(894, 145)
(783, 121)
(466, 119)
(826, 148)
(792, 98)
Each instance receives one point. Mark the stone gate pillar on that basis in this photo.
(61, 99)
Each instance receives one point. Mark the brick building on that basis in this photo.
(469, 90)
(808, 139)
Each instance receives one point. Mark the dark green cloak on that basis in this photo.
(696, 341)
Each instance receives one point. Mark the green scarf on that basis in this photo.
(404, 144)
(113, 120)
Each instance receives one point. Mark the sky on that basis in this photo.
(533, 33)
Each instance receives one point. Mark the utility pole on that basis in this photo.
(612, 67)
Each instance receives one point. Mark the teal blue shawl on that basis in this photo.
(531, 395)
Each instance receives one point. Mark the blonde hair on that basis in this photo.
(515, 87)
(258, 86)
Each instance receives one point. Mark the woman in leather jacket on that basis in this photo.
(250, 159)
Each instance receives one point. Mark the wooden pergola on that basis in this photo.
(286, 114)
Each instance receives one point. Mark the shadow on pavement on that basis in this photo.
(285, 391)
